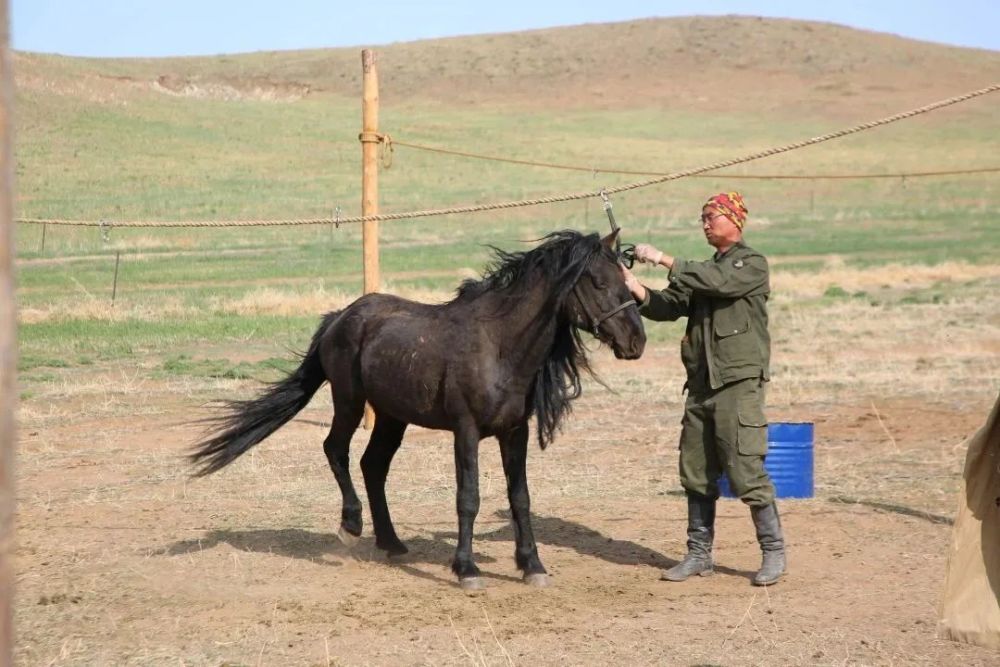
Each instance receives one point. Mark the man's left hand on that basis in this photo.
(633, 284)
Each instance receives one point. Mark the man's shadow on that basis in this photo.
(327, 549)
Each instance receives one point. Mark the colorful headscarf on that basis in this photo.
(731, 205)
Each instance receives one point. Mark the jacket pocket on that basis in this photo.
(730, 317)
(729, 328)
(735, 347)
(752, 431)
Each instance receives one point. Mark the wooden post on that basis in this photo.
(114, 287)
(8, 344)
(369, 180)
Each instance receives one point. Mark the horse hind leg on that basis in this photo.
(385, 441)
(337, 448)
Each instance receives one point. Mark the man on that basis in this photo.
(726, 351)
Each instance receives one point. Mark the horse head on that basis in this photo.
(603, 305)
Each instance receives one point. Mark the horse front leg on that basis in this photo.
(467, 504)
(514, 452)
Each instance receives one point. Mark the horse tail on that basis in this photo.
(243, 424)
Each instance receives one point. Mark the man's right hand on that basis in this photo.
(647, 254)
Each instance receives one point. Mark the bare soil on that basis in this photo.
(122, 559)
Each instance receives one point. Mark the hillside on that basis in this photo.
(275, 134)
(735, 63)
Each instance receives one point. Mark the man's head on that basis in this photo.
(722, 219)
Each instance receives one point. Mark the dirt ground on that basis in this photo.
(122, 559)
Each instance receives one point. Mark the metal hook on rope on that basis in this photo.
(105, 229)
(625, 251)
(386, 150)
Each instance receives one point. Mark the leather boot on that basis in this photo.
(701, 532)
(772, 544)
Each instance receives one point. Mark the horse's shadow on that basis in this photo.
(326, 549)
(316, 547)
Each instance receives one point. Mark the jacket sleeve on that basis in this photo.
(665, 305)
(729, 278)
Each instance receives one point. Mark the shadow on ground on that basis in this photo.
(326, 548)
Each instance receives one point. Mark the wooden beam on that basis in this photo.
(8, 343)
(369, 181)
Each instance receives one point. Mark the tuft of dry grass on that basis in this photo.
(97, 309)
(836, 273)
(261, 301)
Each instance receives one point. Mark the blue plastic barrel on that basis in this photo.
(789, 460)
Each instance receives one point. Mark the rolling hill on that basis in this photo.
(275, 133)
(733, 63)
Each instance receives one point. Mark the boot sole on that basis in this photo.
(768, 583)
(703, 573)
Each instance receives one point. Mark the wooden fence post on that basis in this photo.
(369, 181)
(8, 345)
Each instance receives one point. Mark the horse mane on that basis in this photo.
(560, 259)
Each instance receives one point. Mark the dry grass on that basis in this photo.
(851, 349)
(788, 287)
(100, 309)
(835, 273)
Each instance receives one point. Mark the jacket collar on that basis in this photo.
(717, 256)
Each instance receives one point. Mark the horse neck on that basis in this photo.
(529, 331)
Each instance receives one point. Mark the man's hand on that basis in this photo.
(647, 254)
(634, 286)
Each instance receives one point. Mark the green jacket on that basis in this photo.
(725, 301)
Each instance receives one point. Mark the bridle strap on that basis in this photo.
(613, 311)
(597, 322)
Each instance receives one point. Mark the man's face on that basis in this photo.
(719, 229)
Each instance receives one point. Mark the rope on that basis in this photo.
(391, 143)
(541, 200)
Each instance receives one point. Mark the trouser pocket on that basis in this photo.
(752, 429)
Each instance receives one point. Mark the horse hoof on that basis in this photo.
(472, 584)
(396, 548)
(537, 580)
(346, 538)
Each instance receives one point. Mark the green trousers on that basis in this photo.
(725, 430)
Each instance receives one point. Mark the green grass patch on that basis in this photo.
(27, 361)
(267, 369)
(129, 339)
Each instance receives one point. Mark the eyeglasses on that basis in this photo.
(712, 216)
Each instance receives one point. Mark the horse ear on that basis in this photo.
(609, 240)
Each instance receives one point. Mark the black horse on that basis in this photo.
(505, 348)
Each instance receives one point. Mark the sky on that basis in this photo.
(134, 28)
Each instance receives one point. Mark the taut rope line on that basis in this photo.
(542, 200)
